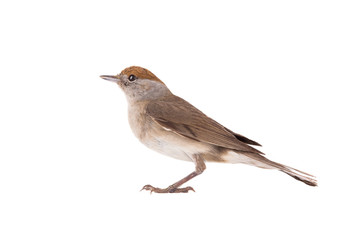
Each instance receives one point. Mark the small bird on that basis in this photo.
(170, 125)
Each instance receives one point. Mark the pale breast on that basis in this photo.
(137, 120)
(162, 140)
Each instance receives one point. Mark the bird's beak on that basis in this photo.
(110, 78)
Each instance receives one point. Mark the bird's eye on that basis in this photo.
(132, 78)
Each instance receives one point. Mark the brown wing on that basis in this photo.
(176, 114)
(243, 139)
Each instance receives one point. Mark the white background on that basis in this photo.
(284, 73)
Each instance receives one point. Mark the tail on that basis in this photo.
(299, 175)
(259, 160)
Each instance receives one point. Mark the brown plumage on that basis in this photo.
(188, 121)
(170, 125)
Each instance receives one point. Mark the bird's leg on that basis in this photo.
(174, 188)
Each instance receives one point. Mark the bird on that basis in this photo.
(172, 126)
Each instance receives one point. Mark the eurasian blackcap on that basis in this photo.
(170, 125)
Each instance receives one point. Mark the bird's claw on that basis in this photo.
(169, 189)
(148, 188)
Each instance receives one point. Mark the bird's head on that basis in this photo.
(139, 84)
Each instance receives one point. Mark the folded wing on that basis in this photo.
(179, 116)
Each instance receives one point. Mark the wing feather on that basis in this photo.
(178, 115)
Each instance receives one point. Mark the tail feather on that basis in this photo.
(258, 160)
(297, 174)
(301, 176)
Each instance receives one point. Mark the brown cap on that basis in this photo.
(140, 72)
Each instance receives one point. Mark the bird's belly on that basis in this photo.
(166, 148)
(174, 145)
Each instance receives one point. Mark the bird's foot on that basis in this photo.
(170, 189)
